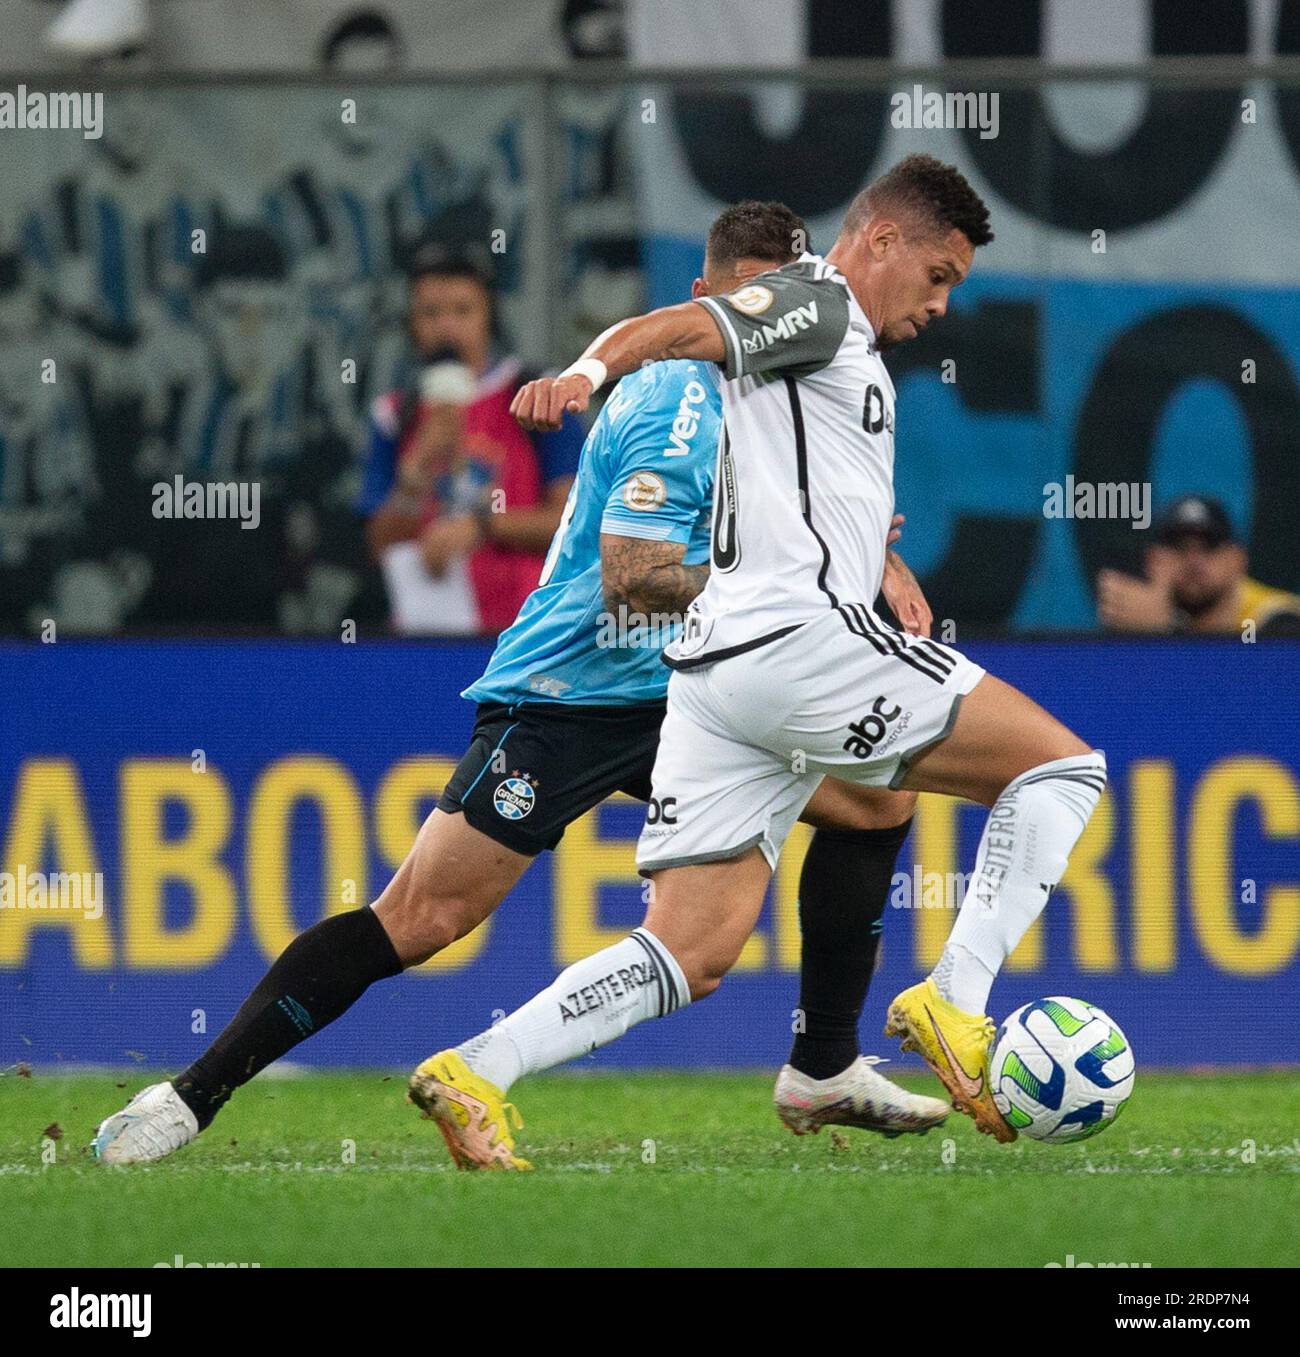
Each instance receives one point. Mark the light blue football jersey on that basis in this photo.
(646, 471)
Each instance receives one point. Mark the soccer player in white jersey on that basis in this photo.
(784, 674)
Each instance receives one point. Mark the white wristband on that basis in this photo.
(591, 368)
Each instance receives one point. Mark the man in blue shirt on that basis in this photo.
(569, 712)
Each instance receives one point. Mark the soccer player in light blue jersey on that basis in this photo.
(569, 713)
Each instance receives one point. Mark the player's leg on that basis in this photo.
(874, 706)
(721, 811)
(454, 876)
(1042, 783)
(843, 887)
(452, 879)
(697, 921)
(703, 913)
(694, 929)
(997, 735)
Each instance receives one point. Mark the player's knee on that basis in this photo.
(705, 969)
(1062, 746)
(1079, 777)
(703, 985)
(439, 928)
(1073, 747)
(425, 923)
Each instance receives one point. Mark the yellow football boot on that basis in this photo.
(471, 1113)
(956, 1046)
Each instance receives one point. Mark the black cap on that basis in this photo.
(1194, 516)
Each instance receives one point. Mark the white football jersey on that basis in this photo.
(804, 491)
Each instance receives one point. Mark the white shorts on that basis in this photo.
(747, 739)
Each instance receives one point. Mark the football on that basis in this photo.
(1062, 1070)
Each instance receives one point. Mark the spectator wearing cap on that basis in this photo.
(460, 502)
(1196, 581)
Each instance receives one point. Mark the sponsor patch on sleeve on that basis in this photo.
(753, 300)
(644, 492)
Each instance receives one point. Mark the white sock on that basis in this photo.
(962, 978)
(1023, 853)
(593, 1002)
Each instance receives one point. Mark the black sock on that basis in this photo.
(316, 979)
(842, 892)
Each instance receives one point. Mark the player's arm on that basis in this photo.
(683, 331)
(646, 576)
(658, 495)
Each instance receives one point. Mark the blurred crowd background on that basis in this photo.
(327, 281)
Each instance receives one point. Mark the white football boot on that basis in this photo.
(857, 1096)
(154, 1124)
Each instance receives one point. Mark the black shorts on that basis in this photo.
(533, 768)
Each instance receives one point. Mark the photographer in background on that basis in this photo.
(475, 499)
(1196, 581)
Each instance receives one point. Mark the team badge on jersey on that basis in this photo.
(644, 492)
(752, 300)
(514, 798)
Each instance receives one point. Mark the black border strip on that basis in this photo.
(648, 940)
(656, 968)
(805, 494)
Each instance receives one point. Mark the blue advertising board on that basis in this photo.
(230, 793)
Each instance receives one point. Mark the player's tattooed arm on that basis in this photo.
(647, 577)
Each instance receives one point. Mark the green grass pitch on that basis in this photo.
(650, 1169)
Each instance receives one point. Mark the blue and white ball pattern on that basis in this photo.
(1061, 1070)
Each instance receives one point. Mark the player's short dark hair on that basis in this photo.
(926, 187)
(754, 230)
